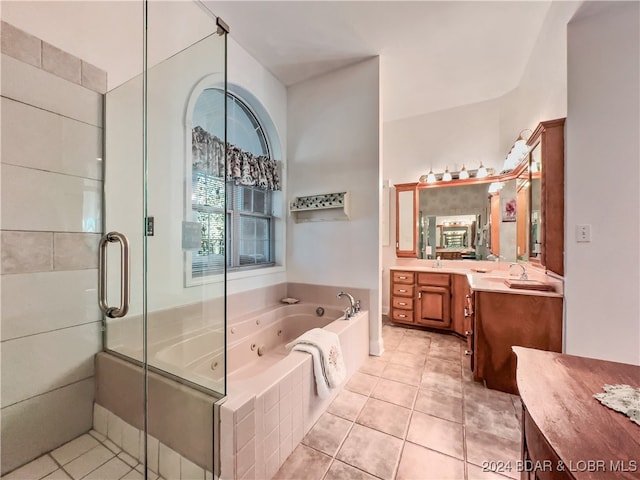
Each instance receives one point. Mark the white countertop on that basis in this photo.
(491, 281)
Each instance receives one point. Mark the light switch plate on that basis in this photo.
(583, 233)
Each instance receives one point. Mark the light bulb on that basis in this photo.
(482, 171)
(463, 175)
(446, 176)
(431, 178)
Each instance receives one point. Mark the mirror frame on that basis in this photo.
(550, 136)
(400, 188)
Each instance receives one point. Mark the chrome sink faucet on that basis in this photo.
(354, 305)
(523, 274)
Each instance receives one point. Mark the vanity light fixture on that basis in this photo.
(463, 175)
(517, 152)
(446, 176)
(431, 177)
(482, 171)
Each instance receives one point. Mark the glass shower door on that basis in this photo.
(156, 181)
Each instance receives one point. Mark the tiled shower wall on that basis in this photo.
(51, 198)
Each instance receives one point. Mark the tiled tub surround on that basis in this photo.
(51, 215)
(265, 416)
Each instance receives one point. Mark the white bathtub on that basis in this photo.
(257, 342)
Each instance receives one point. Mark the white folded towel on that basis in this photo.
(328, 365)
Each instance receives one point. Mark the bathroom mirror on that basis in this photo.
(523, 213)
(453, 222)
(535, 226)
(406, 220)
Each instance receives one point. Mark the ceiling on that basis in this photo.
(435, 55)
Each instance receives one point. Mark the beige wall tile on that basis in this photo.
(36, 138)
(45, 422)
(33, 86)
(40, 363)
(24, 252)
(21, 45)
(40, 302)
(61, 63)
(51, 202)
(94, 78)
(75, 251)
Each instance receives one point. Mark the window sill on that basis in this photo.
(238, 274)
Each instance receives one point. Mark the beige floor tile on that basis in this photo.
(89, 461)
(361, 383)
(38, 468)
(74, 448)
(477, 473)
(447, 352)
(437, 434)
(442, 383)
(400, 373)
(447, 367)
(328, 433)
(395, 392)
(439, 405)
(419, 333)
(373, 366)
(342, 471)
(407, 359)
(347, 405)
(305, 463)
(113, 469)
(57, 475)
(414, 345)
(419, 463)
(483, 447)
(500, 423)
(385, 417)
(374, 452)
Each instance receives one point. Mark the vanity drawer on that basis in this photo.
(403, 277)
(403, 315)
(402, 290)
(403, 303)
(434, 279)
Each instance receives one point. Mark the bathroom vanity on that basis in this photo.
(481, 308)
(433, 287)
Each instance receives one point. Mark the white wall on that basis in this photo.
(602, 138)
(333, 146)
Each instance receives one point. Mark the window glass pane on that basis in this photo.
(207, 190)
(260, 201)
(254, 240)
(246, 198)
(211, 255)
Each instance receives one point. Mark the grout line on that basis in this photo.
(54, 172)
(56, 113)
(49, 391)
(50, 331)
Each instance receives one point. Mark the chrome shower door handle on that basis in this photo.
(125, 275)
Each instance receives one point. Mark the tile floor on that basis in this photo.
(414, 413)
(89, 457)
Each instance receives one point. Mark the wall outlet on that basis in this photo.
(583, 233)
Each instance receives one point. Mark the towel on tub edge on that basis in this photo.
(326, 353)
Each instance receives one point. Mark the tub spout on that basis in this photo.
(354, 306)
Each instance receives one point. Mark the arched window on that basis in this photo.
(237, 227)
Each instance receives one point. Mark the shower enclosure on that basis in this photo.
(158, 58)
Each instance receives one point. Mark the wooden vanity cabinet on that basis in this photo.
(402, 296)
(433, 303)
(503, 320)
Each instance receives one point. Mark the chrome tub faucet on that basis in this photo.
(354, 305)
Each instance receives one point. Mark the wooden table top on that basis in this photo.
(557, 390)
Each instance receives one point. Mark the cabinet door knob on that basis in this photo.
(467, 352)
(468, 333)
